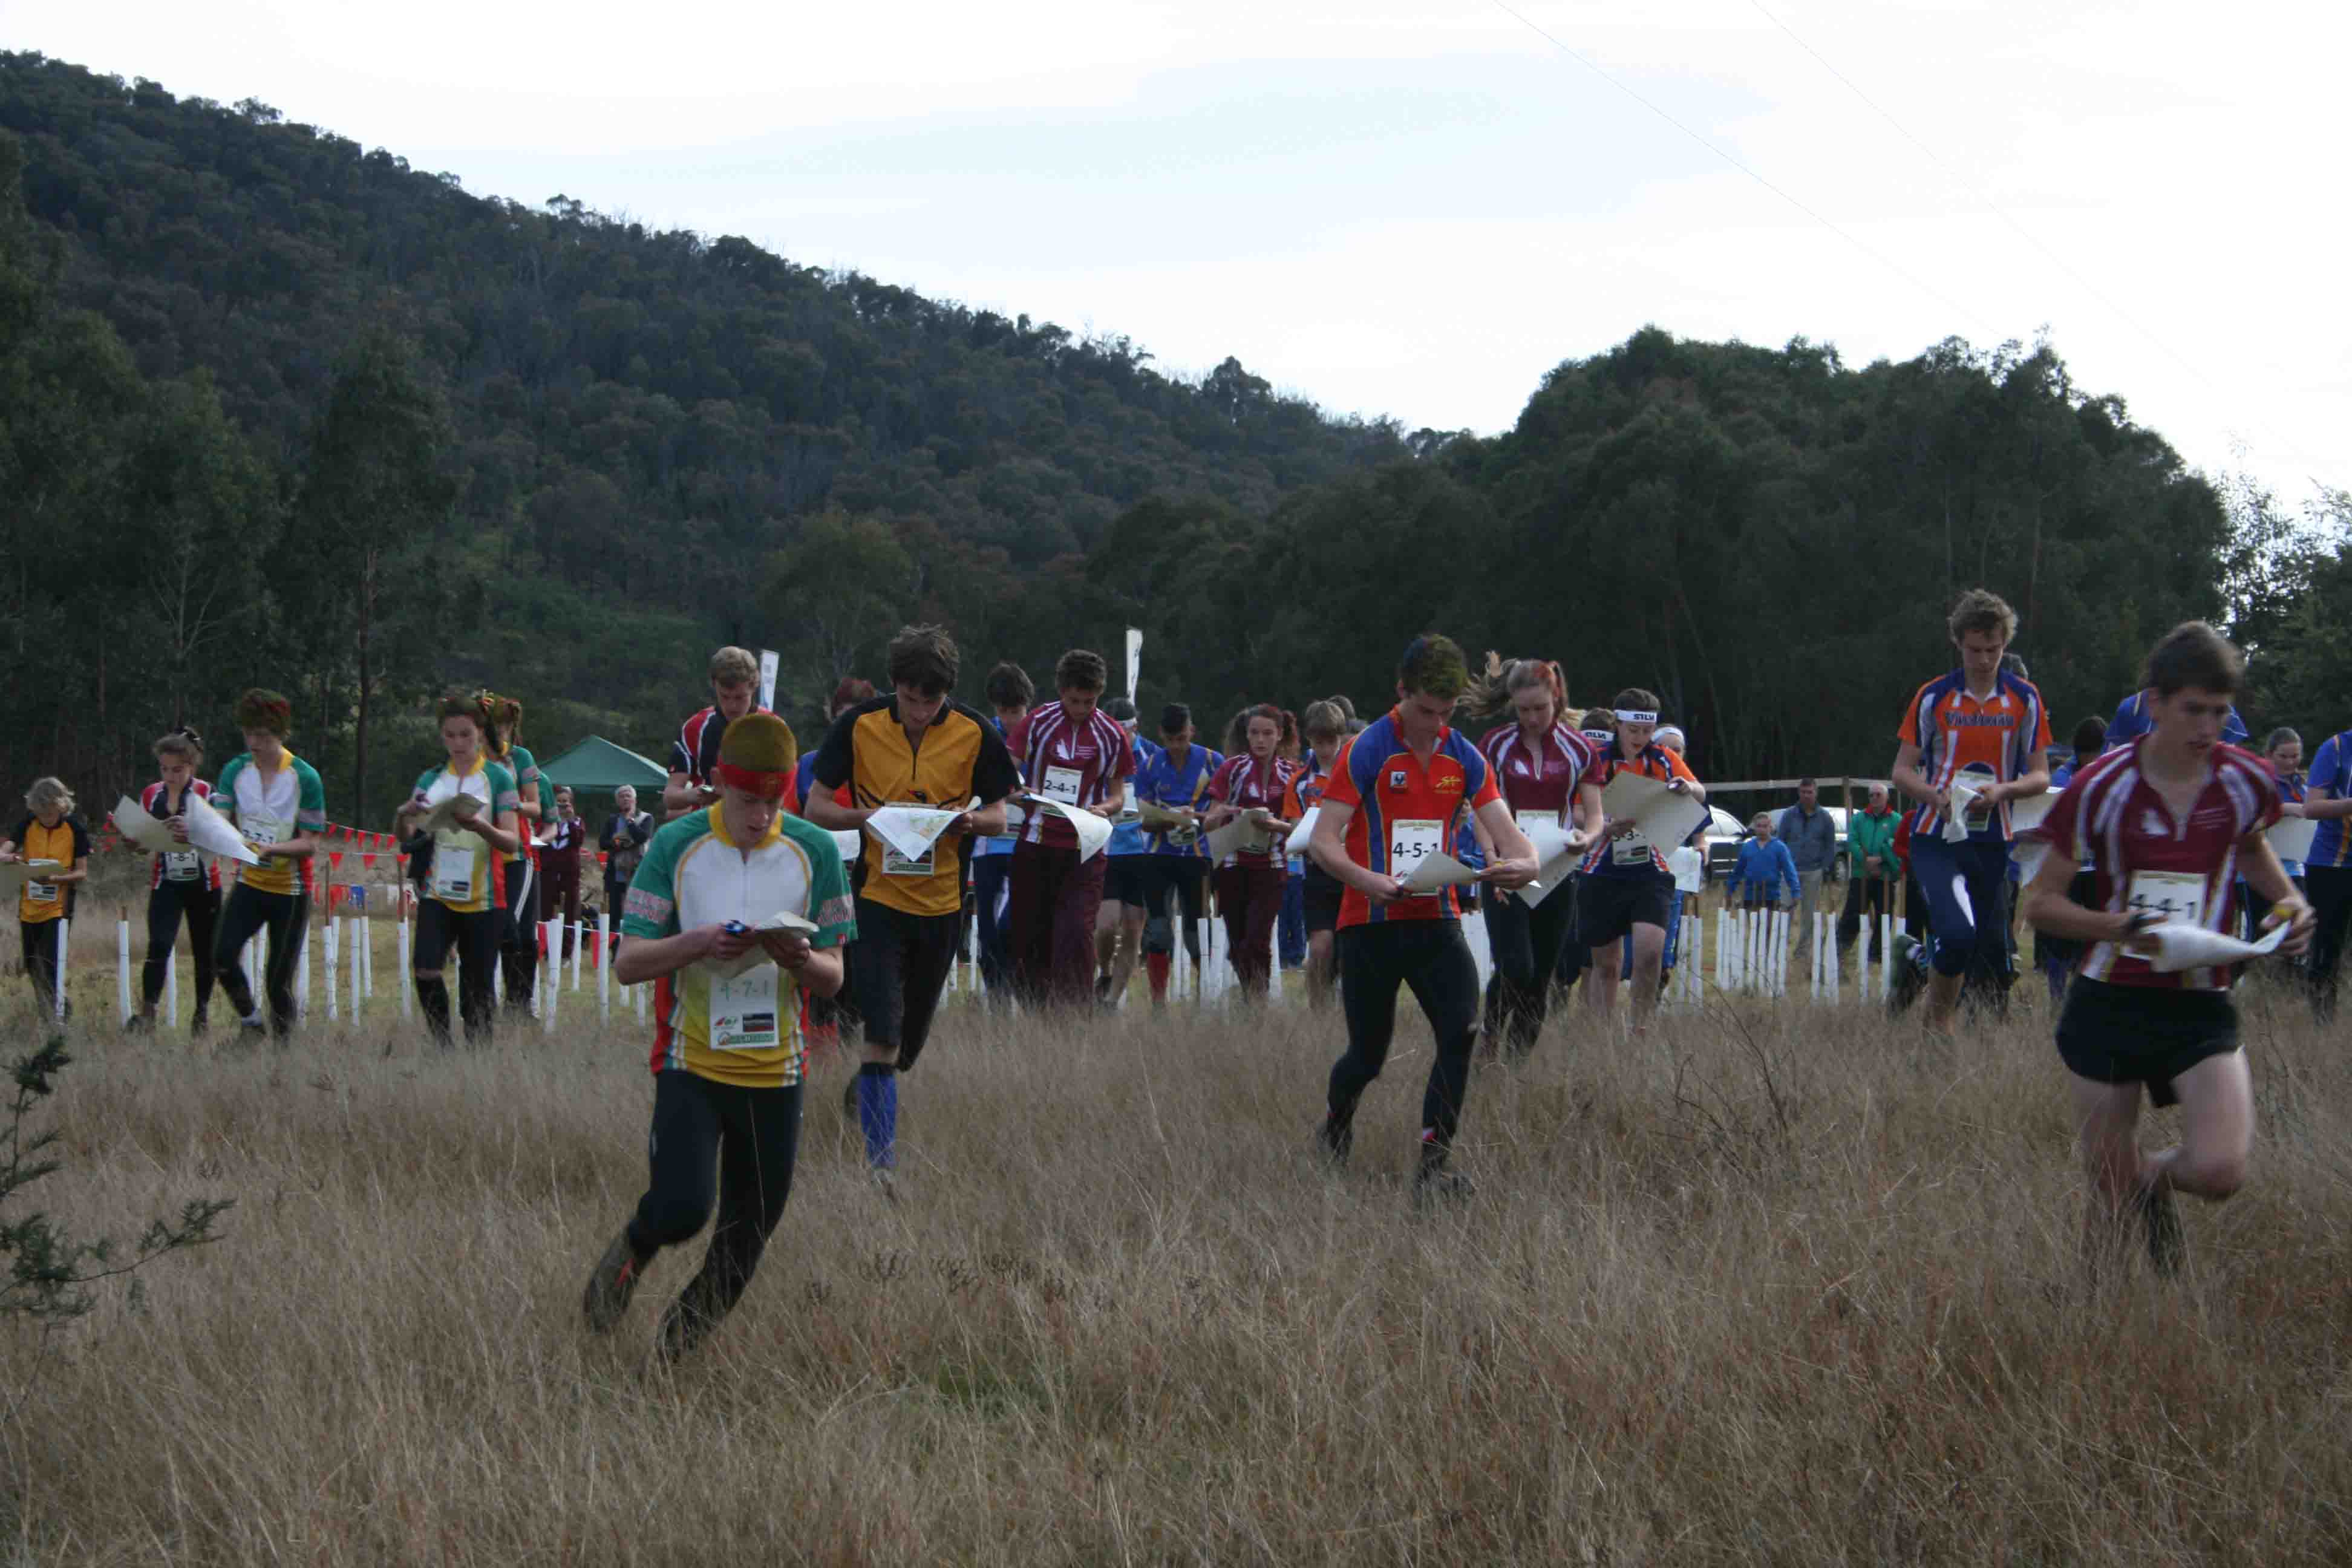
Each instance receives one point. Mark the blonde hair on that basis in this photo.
(49, 792)
(733, 667)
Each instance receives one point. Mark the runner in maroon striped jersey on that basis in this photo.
(1071, 751)
(179, 883)
(1249, 882)
(1541, 766)
(2167, 822)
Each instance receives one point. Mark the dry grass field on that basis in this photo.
(1771, 1286)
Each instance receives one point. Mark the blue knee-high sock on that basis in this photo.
(877, 1112)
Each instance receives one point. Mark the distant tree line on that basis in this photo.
(277, 410)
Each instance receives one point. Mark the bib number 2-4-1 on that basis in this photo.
(1062, 785)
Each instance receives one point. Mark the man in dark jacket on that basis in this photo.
(1810, 835)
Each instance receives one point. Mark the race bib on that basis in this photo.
(1529, 820)
(453, 868)
(743, 1012)
(1413, 841)
(1631, 851)
(41, 892)
(2169, 896)
(181, 865)
(1062, 785)
(1979, 816)
(896, 864)
(262, 829)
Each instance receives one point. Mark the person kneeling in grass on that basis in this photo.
(2166, 823)
(728, 1053)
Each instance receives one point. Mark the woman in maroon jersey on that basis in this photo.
(1249, 882)
(2167, 822)
(1540, 765)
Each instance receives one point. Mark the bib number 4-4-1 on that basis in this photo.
(2172, 896)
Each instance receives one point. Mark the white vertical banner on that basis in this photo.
(1134, 660)
(551, 972)
(768, 679)
(579, 929)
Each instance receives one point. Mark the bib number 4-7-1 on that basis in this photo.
(744, 1016)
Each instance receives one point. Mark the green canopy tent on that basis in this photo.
(597, 766)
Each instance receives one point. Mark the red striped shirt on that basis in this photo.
(1540, 776)
(2114, 820)
(1246, 782)
(1072, 761)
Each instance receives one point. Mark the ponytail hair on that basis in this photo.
(481, 707)
(183, 742)
(1491, 693)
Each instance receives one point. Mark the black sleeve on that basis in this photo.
(80, 837)
(23, 826)
(993, 777)
(836, 755)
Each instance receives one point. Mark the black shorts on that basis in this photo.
(1322, 896)
(1124, 882)
(1607, 908)
(2139, 1034)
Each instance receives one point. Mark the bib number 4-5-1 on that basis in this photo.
(1411, 842)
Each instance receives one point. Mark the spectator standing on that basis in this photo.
(1767, 873)
(559, 866)
(1810, 835)
(623, 843)
(1871, 870)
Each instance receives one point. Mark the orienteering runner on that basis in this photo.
(2168, 821)
(280, 810)
(1984, 724)
(1396, 792)
(1249, 882)
(1176, 867)
(179, 883)
(1543, 768)
(1072, 752)
(727, 1052)
(915, 747)
(1626, 889)
(457, 912)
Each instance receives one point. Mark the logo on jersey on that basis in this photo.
(1446, 784)
(1396, 778)
(2154, 825)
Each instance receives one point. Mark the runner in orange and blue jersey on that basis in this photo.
(1397, 794)
(1626, 889)
(1981, 730)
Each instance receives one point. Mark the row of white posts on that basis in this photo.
(344, 942)
(1752, 948)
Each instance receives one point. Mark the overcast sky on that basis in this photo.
(1413, 208)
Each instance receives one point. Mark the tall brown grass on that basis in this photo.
(1778, 1287)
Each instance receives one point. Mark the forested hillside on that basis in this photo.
(274, 407)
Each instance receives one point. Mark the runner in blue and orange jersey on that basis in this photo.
(1626, 889)
(1397, 794)
(1975, 729)
(1324, 726)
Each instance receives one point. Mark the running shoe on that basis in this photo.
(137, 1024)
(199, 1025)
(1332, 1141)
(2166, 1244)
(1435, 1184)
(612, 1285)
(1910, 971)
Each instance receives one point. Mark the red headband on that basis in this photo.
(753, 781)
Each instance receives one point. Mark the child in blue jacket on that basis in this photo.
(1765, 868)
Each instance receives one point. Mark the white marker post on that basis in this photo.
(65, 942)
(579, 950)
(603, 967)
(359, 970)
(550, 973)
(333, 1008)
(1887, 957)
(303, 975)
(171, 989)
(407, 991)
(640, 988)
(123, 967)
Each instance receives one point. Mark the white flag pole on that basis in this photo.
(1134, 660)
